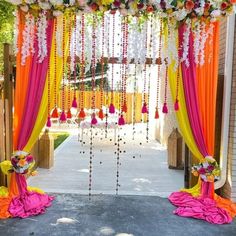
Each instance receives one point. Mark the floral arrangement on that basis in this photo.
(208, 170)
(21, 162)
(176, 9)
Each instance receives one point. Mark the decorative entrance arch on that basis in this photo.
(53, 34)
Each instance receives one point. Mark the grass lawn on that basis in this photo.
(59, 138)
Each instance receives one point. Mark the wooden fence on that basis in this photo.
(106, 101)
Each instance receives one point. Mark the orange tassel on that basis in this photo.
(124, 107)
(101, 114)
(156, 114)
(82, 114)
(69, 116)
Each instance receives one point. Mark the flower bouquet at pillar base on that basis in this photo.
(208, 170)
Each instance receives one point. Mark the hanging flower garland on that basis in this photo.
(112, 107)
(55, 111)
(49, 124)
(68, 114)
(63, 114)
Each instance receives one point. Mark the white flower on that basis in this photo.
(15, 2)
(123, 12)
(29, 1)
(56, 2)
(45, 5)
(205, 164)
(215, 13)
(57, 13)
(24, 8)
(180, 14)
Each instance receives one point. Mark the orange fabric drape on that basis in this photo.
(22, 78)
(207, 77)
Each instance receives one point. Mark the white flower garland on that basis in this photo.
(202, 43)
(196, 45)
(27, 39)
(42, 37)
(185, 45)
(210, 34)
(155, 39)
(16, 33)
(88, 44)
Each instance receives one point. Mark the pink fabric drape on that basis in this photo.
(190, 91)
(38, 74)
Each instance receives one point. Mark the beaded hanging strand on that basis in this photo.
(55, 111)
(165, 108)
(112, 107)
(68, 114)
(49, 124)
(63, 114)
(74, 102)
(134, 99)
(82, 68)
(144, 107)
(176, 105)
(101, 114)
(159, 62)
(93, 120)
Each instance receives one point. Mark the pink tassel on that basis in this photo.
(144, 108)
(111, 109)
(49, 124)
(74, 103)
(165, 108)
(63, 117)
(176, 105)
(94, 120)
(121, 120)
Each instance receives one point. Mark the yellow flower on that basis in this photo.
(107, 2)
(216, 172)
(195, 173)
(133, 6)
(210, 178)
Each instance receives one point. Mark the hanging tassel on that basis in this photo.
(101, 114)
(156, 114)
(94, 120)
(68, 114)
(144, 108)
(165, 108)
(55, 113)
(121, 120)
(49, 124)
(176, 105)
(82, 114)
(63, 117)
(124, 108)
(112, 109)
(74, 103)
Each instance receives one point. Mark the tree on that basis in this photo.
(6, 27)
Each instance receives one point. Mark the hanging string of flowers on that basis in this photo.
(68, 114)
(63, 114)
(49, 124)
(55, 111)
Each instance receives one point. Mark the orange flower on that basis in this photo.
(210, 178)
(189, 5)
(195, 173)
(149, 9)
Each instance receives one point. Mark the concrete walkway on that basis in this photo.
(106, 215)
(143, 169)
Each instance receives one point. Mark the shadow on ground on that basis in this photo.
(107, 215)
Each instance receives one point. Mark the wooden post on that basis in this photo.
(8, 96)
(46, 150)
(186, 167)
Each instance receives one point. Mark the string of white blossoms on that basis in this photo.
(155, 39)
(42, 37)
(196, 45)
(204, 36)
(28, 38)
(16, 33)
(185, 44)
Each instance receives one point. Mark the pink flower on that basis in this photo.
(210, 168)
(202, 171)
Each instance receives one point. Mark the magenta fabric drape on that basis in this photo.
(38, 74)
(190, 91)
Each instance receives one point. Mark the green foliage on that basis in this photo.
(6, 27)
(59, 138)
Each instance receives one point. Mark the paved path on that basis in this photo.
(106, 215)
(143, 169)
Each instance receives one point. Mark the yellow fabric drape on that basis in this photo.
(42, 115)
(182, 117)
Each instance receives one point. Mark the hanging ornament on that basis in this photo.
(93, 117)
(112, 107)
(68, 114)
(82, 114)
(55, 114)
(165, 108)
(176, 106)
(74, 102)
(159, 63)
(63, 114)
(134, 99)
(125, 61)
(49, 124)
(144, 106)
(100, 113)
